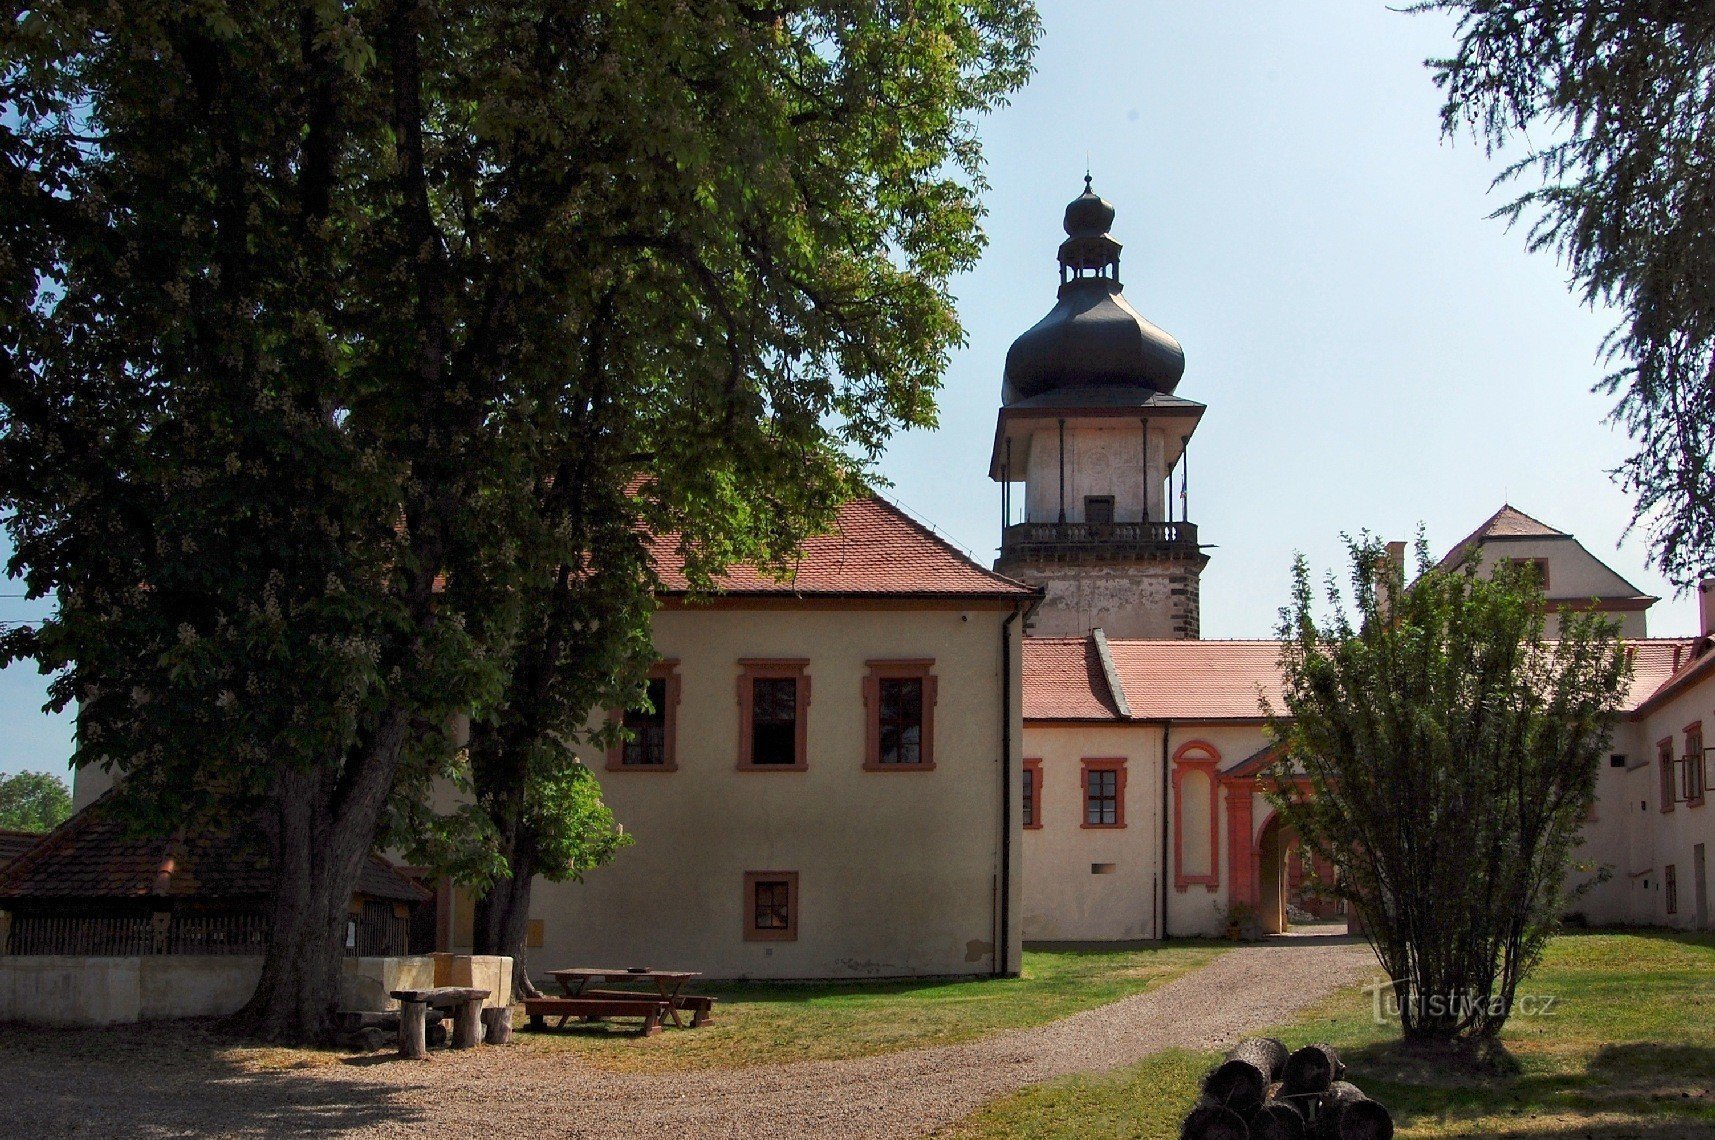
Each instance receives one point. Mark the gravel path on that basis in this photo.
(509, 1092)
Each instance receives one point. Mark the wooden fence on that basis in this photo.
(135, 935)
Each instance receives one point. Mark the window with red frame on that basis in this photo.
(1104, 793)
(771, 906)
(899, 701)
(647, 728)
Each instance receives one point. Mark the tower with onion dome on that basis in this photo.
(1090, 452)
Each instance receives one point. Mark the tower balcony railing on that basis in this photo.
(1057, 540)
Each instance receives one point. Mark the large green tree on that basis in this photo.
(350, 345)
(1443, 755)
(33, 801)
(1605, 110)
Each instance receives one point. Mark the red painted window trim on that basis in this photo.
(1033, 765)
(1694, 764)
(1664, 760)
(920, 669)
(748, 918)
(1102, 764)
(753, 669)
(1196, 756)
(665, 670)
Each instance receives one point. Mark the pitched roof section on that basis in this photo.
(1664, 666)
(1508, 522)
(15, 843)
(1222, 680)
(93, 856)
(1198, 680)
(875, 550)
(1063, 680)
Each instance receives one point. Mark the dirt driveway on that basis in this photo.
(512, 1092)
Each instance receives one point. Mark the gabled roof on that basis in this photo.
(15, 843)
(875, 550)
(93, 856)
(1508, 522)
(1063, 680)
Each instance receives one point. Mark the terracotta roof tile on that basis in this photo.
(1663, 665)
(92, 856)
(1063, 681)
(1198, 680)
(875, 549)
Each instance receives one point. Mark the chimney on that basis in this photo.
(1706, 607)
(1396, 555)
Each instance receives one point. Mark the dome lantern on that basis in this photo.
(1093, 347)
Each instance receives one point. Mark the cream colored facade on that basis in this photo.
(1097, 884)
(900, 873)
(1646, 854)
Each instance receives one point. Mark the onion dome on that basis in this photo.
(1093, 347)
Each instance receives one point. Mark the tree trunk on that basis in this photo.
(503, 918)
(323, 830)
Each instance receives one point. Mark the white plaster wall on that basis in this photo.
(1574, 575)
(1103, 457)
(1637, 840)
(899, 872)
(1063, 900)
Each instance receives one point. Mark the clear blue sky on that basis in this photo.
(1374, 351)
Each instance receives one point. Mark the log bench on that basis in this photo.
(702, 1008)
(649, 1008)
(414, 1006)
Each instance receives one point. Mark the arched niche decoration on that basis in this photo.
(1196, 815)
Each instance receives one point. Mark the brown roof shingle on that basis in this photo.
(875, 550)
(93, 856)
(15, 843)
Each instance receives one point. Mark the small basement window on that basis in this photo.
(1103, 868)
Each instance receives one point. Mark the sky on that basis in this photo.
(1375, 351)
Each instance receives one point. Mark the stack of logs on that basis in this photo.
(1262, 1092)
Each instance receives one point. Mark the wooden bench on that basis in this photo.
(702, 1008)
(650, 1009)
(414, 1006)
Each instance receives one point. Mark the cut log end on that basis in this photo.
(1213, 1122)
(1238, 1084)
(1312, 1069)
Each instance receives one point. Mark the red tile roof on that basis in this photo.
(1663, 666)
(1222, 680)
(1198, 680)
(875, 550)
(1063, 681)
(93, 856)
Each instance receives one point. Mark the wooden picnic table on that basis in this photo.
(668, 983)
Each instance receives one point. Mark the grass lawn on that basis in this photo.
(1629, 1051)
(764, 1024)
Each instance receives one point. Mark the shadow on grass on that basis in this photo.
(184, 1078)
(1654, 1091)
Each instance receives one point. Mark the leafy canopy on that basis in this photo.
(1613, 105)
(33, 801)
(1442, 755)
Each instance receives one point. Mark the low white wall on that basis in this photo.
(66, 990)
